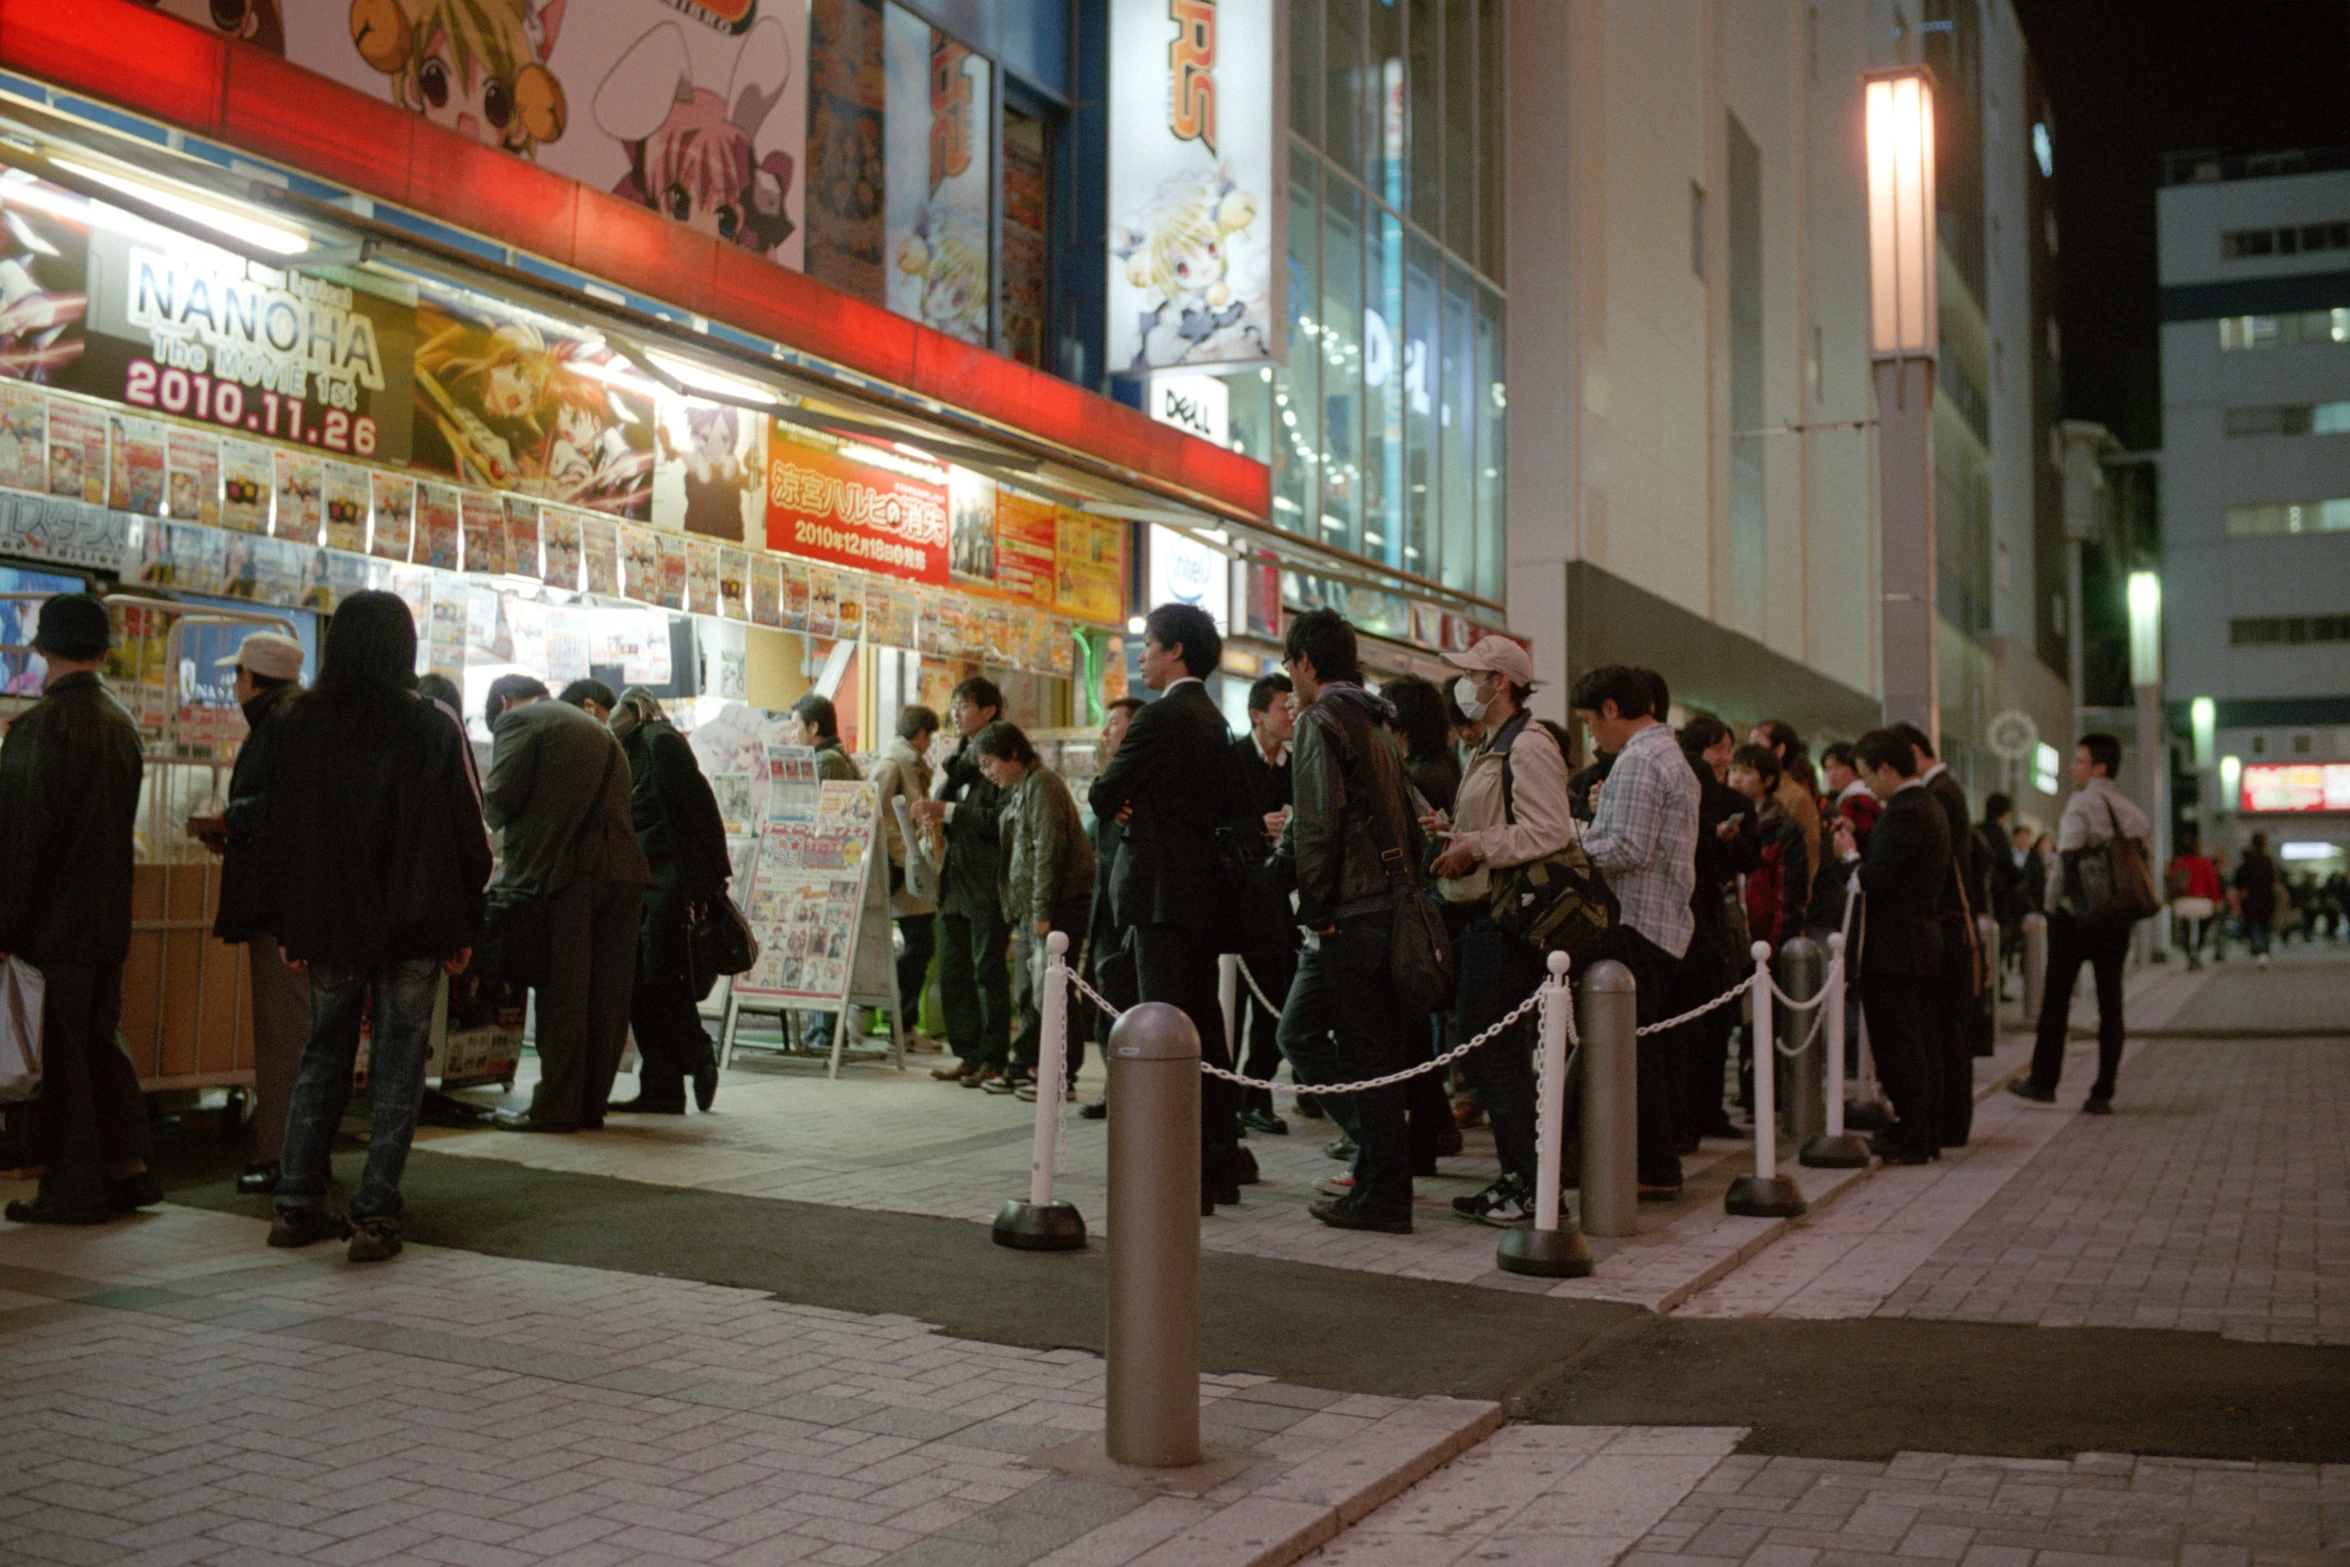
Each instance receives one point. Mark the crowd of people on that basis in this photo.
(2256, 902)
(358, 872)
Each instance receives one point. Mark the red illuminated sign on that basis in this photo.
(2299, 786)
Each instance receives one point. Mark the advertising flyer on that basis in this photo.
(245, 486)
(191, 476)
(393, 498)
(77, 452)
(24, 438)
(561, 539)
(766, 590)
(1091, 560)
(522, 535)
(640, 564)
(709, 470)
(485, 532)
(599, 546)
(807, 887)
(297, 479)
(701, 577)
(345, 489)
(134, 464)
(439, 531)
(855, 506)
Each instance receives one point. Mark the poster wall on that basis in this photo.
(940, 176)
(876, 511)
(1193, 192)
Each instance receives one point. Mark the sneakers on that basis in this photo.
(302, 1226)
(1504, 1203)
(1345, 1213)
(375, 1240)
(1336, 1185)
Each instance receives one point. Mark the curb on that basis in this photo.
(1731, 1261)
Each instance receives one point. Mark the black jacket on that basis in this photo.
(1348, 775)
(372, 839)
(2003, 883)
(69, 805)
(1175, 767)
(972, 878)
(242, 894)
(676, 815)
(1902, 877)
(1963, 848)
(1719, 865)
(1268, 787)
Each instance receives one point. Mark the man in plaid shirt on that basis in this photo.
(1644, 837)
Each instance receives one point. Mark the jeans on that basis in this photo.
(2070, 945)
(1258, 1046)
(400, 1037)
(1341, 1024)
(1496, 973)
(975, 988)
(2256, 935)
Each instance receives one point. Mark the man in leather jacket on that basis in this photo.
(1343, 1022)
(69, 797)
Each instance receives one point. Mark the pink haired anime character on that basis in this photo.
(692, 154)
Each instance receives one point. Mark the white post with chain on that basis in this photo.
(1040, 1223)
(1553, 1248)
(1764, 1194)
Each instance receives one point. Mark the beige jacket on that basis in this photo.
(1537, 824)
(901, 772)
(1804, 812)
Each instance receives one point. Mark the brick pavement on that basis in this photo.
(175, 1393)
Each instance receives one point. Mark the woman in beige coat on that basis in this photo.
(904, 770)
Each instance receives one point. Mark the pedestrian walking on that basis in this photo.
(69, 800)
(2192, 887)
(561, 791)
(2096, 814)
(2255, 897)
(974, 973)
(1047, 887)
(904, 773)
(375, 862)
(684, 843)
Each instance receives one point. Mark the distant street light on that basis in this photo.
(1903, 335)
(2145, 595)
(2145, 629)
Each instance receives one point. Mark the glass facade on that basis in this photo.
(1386, 428)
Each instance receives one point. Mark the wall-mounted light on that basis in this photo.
(2145, 629)
(2204, 714)
(280, 239)
(1899, 107)
(2231, 778)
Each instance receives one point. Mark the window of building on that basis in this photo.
(2293, 239)
(2307, 326)
(1026, 302)
(2288, 630)
(2284, 517)
(2290, 419)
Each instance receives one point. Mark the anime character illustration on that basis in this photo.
(1181, 253)
(257, 22)
(37, 323)
(475, 66)
(715, 476)
(590, 460)
(693, 154)
(947, 252)
(509, 409)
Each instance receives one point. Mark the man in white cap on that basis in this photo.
(268, 672)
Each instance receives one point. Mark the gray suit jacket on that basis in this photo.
(559, 788)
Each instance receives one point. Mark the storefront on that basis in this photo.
(265, 342)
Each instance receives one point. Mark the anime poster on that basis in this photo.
(439, 528)
(514, 405)
(1090, 566)
(24, 435)
(1192, 187)
(855, 505)
(393, 499)
(766, 591)
(346, 499)
(297, 480)
(191, 476)
(640, 565)
(734, 584)
(697, 111)
(940, 177)
(522, 536)
(673, 572)
(846, 94)
(709, 470)
(246, 483)
(44, 278)
(599, 548)
(484, 521)
(134, 464)
(560, 538)
(701, 578)
(971, 501)
(77, 452)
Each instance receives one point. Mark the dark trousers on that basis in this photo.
(921, 933)
(1342, 1024)
(90, 1117)
(1028, 957)
(975, 988)
(1953, 1022)
(1259, 1045)
(1177, 965)
(1700, 1050)
(1496, 973)
(1656, 973)
(583, 1008)
(671, 1043)
(1896, 1005)
(2070, 945)
(281, 1027)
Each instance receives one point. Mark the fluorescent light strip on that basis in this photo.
(276, 238)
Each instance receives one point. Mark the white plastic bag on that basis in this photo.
(21, 992)
(922, 868)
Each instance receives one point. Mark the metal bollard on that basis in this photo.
(1766, 1194)
(1835, 1148)
(1153, 1348)
(2035, 966)
(1040, 1223)
(1551, 1247)
(1610, 1023)
(1803, 974)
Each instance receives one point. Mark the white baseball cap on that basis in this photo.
(1498, 653)
(268, 654)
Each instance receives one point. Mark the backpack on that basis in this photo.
(1559, 903)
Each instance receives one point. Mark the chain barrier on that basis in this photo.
(1724, 999)
(1392, 1078)
(1254, 988)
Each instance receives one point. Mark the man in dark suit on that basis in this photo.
(1106, 957)
(1951, 1033)
(974, 964)
(1173, 785)
(1900, 939)
(1263, 754)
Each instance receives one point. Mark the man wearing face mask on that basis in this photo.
(1511, 810)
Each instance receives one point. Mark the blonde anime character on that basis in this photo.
(475, 66)
(488, 392)
(949, 256)
(1179, 254)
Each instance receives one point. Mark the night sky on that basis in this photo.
(2129, 83)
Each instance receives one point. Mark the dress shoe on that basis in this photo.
(1448, 1142)
(1345, 1213)
(705, 1085)
(638, 1106)
(259, 1178)
(981, 1078)
(1264, 1121)
(2025, 1088)
(1344, 1148)
(1098, 1110)
(1311, 1108)
(1901, 1153)
(130, 1193)
(2098, 1106)
(520, 1121)
(1660, 1193)
(302, 1226)
(1468, 1113)
(952, 1074)
(35, 1211)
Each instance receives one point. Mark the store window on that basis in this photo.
(1026, 303)
(2288, 517)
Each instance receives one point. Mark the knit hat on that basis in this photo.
(73, 625)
